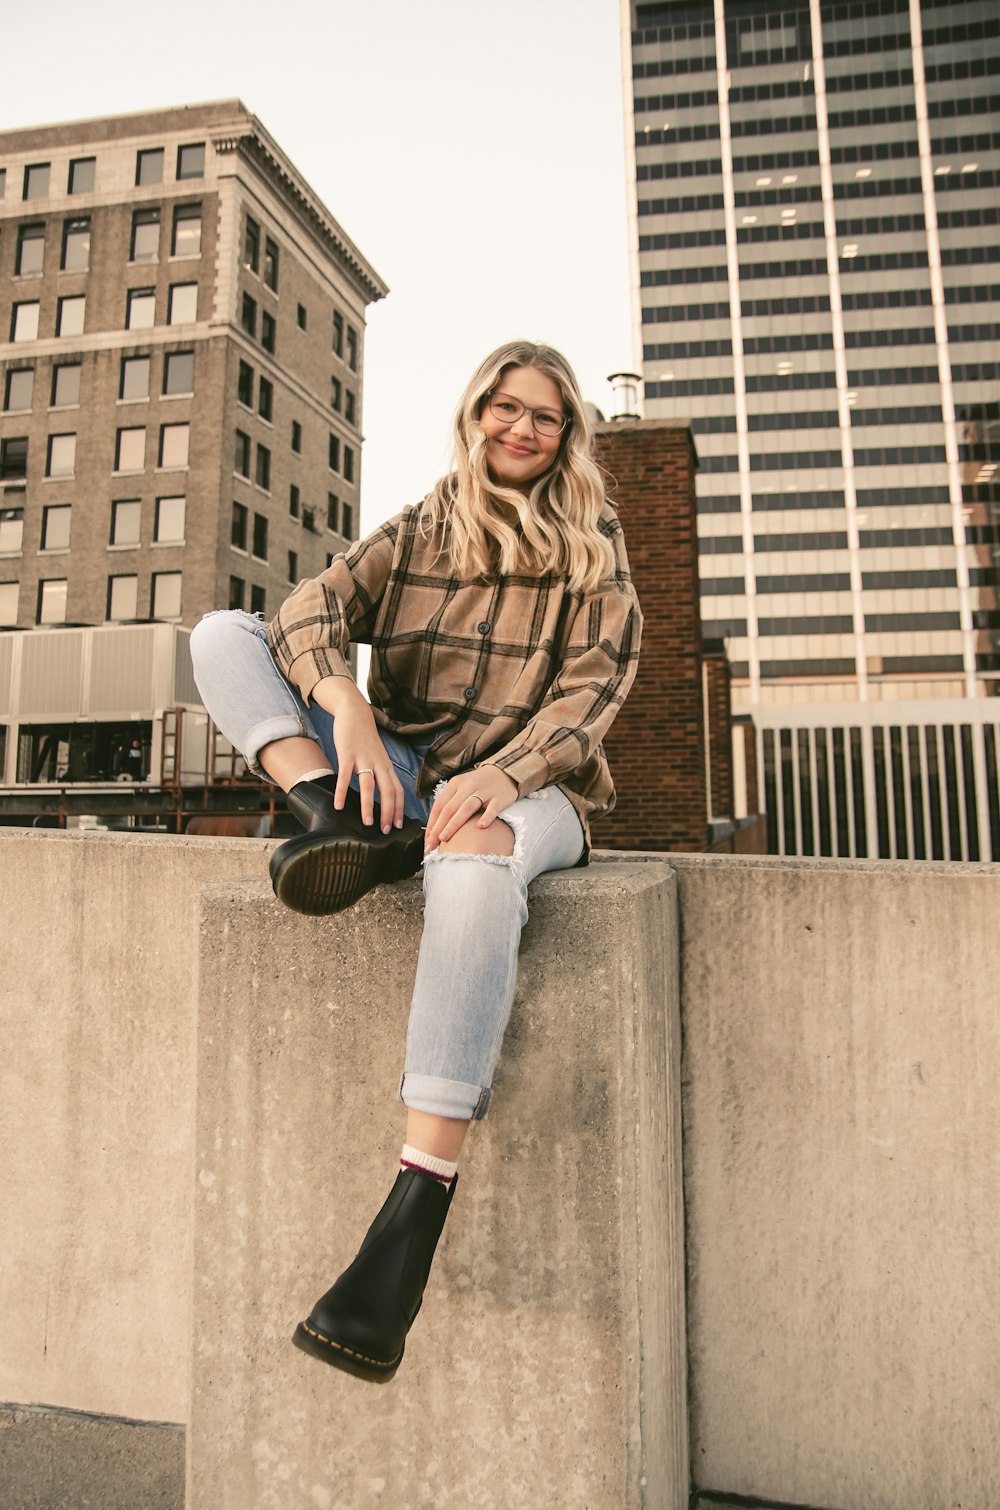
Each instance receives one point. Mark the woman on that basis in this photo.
(505, 633)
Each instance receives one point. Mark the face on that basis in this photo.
(515, 452)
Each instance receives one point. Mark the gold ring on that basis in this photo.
(479, 799)
(365, 770)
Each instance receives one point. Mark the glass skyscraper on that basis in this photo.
(815, 263)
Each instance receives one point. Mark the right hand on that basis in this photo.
(360, 750)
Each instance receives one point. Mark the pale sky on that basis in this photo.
(472, 149)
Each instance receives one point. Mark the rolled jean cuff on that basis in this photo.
(444, 1098)
(283, 726)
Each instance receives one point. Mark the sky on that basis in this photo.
(472, 149)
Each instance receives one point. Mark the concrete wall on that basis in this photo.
(842, 1161)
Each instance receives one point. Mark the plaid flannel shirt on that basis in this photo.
(515, 671)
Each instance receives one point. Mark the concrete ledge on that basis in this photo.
(547, 1366)
(63, 1460)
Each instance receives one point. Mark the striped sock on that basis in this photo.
(413, 1158)
(321, 770)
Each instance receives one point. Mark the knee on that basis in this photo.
(217, 628)
(498, 839)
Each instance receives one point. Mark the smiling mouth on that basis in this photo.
(516, 450)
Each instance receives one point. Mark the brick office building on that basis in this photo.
(181, 346)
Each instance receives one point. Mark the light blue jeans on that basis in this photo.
(474, 905)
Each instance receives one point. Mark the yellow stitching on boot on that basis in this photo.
(375, 1362)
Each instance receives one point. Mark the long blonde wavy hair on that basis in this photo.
(556, 530)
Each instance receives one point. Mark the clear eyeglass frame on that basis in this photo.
(507, 408)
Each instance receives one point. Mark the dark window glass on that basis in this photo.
(239, 529)
(258, 599)
(293, 566)
(191, 160)
(145, 235)
(244, 385)
(76, 246)
(268, 330)
(347, 521)
(81, 175)
(242, 454)
(293, 501)
(186, 238)
(265, 399)
(251, 245)
(334, 453)
(18, 388)
(149, 166)
(338, 333)
(271, 264)
(237, 592)
(36, 181)
(301, 316)
(352, 348)
(248, 315)
(260, 536)
(348, 464)
(333, 513)
(309, 520)
(350, 407)
(178, 372)
(133, 382)
(262, 476)
(13, 457)
(336, 394)
(296, 436)
(30, 250)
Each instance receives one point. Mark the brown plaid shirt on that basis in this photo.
(514, 671)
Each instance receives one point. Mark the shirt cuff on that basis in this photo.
(311, 667)
(528, 770)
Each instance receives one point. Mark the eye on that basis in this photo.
(504, 406)
(550, 423)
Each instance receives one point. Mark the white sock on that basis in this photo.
(414, 1158)
(321, 770)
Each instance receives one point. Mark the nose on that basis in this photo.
(523, 425)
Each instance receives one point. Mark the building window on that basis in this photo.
(168, 526)
(191, 160)
(241, 460)
(296, 437)
(149, 166)
(165, 599)
(338, 333)
(145, 235)
(130, 451)
(36, 181)
(348, 464)
(30, 251)
(66, 385)
(61, 458)
(350, 407)
(174, 444)
(347, 523)
(260, 537)
(265, 398)
(309, 520)
(293, 566)
(178, 372)
(244, 385)
(134, 380)
(13, 458)
(182, 305)
(333, 459)
(76, 246)
(237, 592)
(55, 527)
(125, 520)
(268, 332)
(123, 597)
(336, 394)
(248, 315)
(293, 501)
(3, 182)
(352, 348)
(8, 600)
(257, 599)
(238, 534)
(262, 476)
(18, 389)
(251, 245)
(70, 315)
(11, 531)
(333, 513)
(140, 309)
(81, 175)
(302, 316)
(186, 238)
(24, 322)
(271, 265)
(51, 602)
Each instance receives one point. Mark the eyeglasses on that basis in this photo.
(545, 421)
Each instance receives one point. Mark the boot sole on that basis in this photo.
(318, 875)
(372, 1370)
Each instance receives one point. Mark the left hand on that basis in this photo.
(479, 794)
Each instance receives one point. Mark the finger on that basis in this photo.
(390, 795)
(464, 813)
(490, 811)
(437, 822)
(366, 786)
(346, 767)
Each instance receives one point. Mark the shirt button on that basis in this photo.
(469, 694)
(484, 627)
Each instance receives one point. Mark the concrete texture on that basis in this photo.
(60, 1460)
(97, 1114)
(547, 1364)
(842, 1161)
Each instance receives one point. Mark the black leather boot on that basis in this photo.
(339, 858)
(360, 1325)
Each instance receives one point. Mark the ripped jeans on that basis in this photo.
(474, 905)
